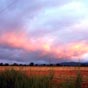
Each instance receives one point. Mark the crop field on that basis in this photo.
(60, 74)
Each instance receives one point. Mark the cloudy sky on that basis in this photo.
(43, 31)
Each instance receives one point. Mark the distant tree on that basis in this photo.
(58, 64)
(43, 64)
(25, 65)
(51, 64)
(36, 65)
(20, 65)
(6, 64)
(31, 64)
(14, 64)
(1, 64)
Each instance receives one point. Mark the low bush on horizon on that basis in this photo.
(17, 79)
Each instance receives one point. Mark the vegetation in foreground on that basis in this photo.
(17, 79)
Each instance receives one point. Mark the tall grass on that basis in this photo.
(78, 81)
(72, 83)
(17, 79)
(13, 79)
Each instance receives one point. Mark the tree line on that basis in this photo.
(30, 64)
(33, 64)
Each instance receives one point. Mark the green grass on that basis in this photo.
(17, 79)
(72, 83)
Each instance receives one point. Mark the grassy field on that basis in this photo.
(63, 76)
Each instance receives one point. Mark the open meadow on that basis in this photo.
(58, 74)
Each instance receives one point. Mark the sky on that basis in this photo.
(43, 31)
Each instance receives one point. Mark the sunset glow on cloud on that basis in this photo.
(39, 30)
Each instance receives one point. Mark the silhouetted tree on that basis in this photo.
(43, 64)
(20, 65)
(6, 64)
(1, 64)
(14, 64)
(31, 64)
(58, 64)
(36, 65)
(51, 64)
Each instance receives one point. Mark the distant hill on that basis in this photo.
(74, 63)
